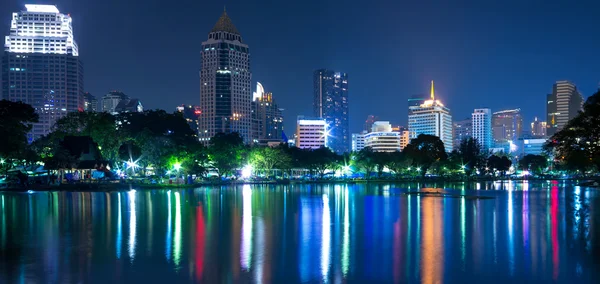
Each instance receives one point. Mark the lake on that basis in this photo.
(543, 231)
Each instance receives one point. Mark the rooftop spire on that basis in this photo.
(224, 24)
(432, 93)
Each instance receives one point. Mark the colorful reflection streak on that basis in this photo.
(299, 233)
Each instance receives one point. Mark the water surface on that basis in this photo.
(303, 233)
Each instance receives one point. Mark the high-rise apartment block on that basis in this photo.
(41, 65)
(482, 127)
(225, 78)
(358, 141)
(432, 118)
(331, 103)
(507, 125)
(311, 133)
(562, 105)
(267, 117)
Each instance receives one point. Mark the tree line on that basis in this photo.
(160, 143)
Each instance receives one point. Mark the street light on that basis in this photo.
(177, 166)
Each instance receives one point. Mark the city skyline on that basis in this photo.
(519, 63)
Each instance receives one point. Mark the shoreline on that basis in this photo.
(123, 186)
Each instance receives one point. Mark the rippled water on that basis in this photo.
(303, 233)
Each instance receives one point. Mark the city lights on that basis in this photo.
(177, 166)
(247, 171)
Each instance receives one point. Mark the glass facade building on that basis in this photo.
(225, 77)
(331, 103)
(41, 65)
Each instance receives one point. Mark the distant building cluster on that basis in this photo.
(41, 67)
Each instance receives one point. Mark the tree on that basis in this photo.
(577, 144)
(320, 160)
(424, 151)
(501, 164)
(469, 151)
(399, 162)
(15, 122)
(226, 152)
(268, 158)
(100, 126)
(365, 159)
(534, 163)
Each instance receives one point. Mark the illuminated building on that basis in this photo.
(562, 105)
(90, 103)
(358, 141)
(331, 103)
(526, 146)
(311, 133)
(225, 77)
(111, 100)
(432, 118)
(382, 138)
(41, 65)
(267, 123)
(461, 130)
(507, 125)
(482, 127)
(538, 128)
(404, 138)
(190, 114)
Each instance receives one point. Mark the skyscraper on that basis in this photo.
(507, 125)
(41, 65)
(225, 92)
(90, 103)
(482, 127)
(432, 118)
(331, 103)
(538, 128)
(267, 117)
(562, 105)
(461, 130)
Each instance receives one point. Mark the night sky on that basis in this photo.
(483, 53)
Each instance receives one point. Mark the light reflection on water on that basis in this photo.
(309, 233)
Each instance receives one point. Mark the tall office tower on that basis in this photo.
(562, 105)
(538, 128)
(311, 133)
(267, 117)
(331, 103)
(482, 127)
(90, 103)
(190, 114)
(111, 100)
(369, 122)
(432, 118)
(41, 65)
(507, 125)
(225, 77)
(462, 130)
